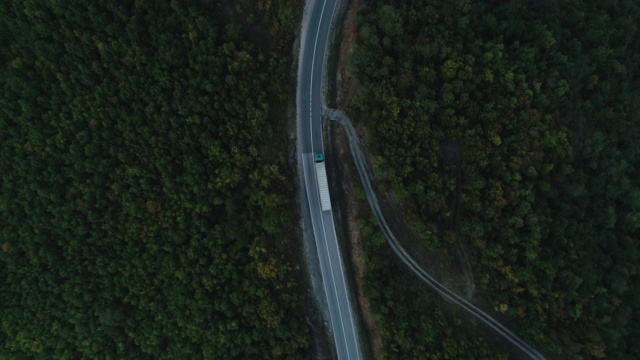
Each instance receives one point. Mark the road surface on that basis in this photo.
(309, 121)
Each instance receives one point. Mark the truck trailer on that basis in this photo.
(323, 186)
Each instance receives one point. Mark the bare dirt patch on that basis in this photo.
(344, 80)
(355, 208)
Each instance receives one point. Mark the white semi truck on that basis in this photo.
(323, 186)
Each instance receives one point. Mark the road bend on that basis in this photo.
(313, 52)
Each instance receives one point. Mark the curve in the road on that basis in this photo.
(408, 260)
(310, 76)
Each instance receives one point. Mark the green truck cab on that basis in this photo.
(318, 158)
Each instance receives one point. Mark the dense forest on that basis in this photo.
(512, 127)
(146, 210)
(414, 322)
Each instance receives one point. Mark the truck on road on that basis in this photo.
(323, 186)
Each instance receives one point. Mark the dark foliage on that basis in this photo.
(414, 322)
(541, 99)
(145, 203)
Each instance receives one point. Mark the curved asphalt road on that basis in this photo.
(309, 116)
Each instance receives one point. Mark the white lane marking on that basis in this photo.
(355, 335)
(324, 283)
(335, 236)
(313, 60)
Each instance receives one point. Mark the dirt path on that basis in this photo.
(408, 259)
(453, 156)
(346, 86)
